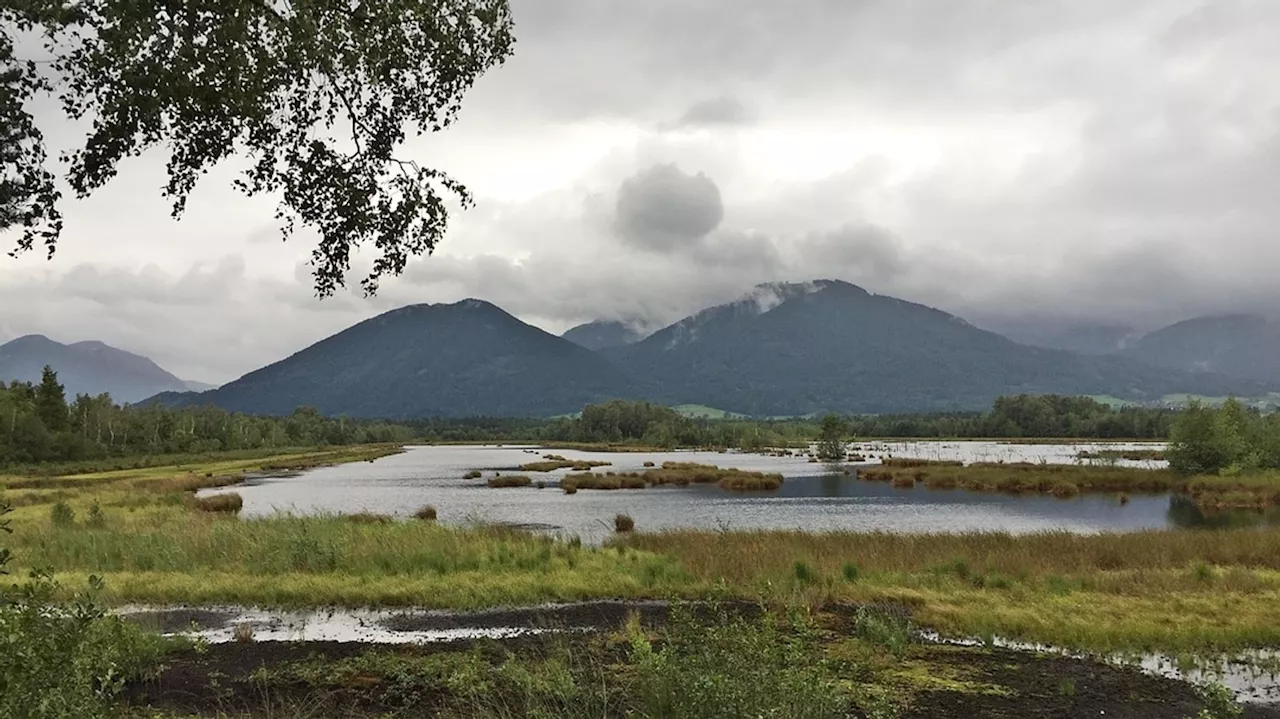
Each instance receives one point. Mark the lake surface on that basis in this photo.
(813, 498)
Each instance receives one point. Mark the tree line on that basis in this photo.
(38, 424)
(1022, 416)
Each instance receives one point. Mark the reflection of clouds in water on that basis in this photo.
(812, 498)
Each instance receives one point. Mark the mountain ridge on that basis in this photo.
(86, 367)
(460, 359)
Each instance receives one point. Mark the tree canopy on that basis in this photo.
(317, 95)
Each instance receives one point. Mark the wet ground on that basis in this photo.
(961, 681)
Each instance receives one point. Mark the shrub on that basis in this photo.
(850, 572)
(61, 514)
(570, 488)
(226, 503)
(648, 464)
(624, 523)
(243, 633)
(804, 573)
(96, 519)
(64, 660)
(426, 513)
(510, 480)
(473, 474)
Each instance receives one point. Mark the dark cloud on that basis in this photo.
(719, 111)
(664, 209)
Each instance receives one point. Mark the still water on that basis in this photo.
(813, 498)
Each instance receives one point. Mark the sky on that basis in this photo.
(1048, 161)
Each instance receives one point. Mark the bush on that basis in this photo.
(96, 519)
(473, 474)
(62, 515)
(624, 523)
(426, 514)
(64, 660)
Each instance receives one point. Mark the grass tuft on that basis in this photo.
(225, 503)
(509, 480)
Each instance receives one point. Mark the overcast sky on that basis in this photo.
(1086, 160)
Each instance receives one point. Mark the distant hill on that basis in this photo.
(192, 386)
(1246, 346)
(794, 349)
(1081, 338)
(602, 334)
(86, 368)
(464, 359)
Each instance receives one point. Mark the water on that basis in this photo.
(813, 498)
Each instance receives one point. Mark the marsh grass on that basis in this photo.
(426, 513)
(679, 474)
(223, 503)
(1059, 480)
(1138, 591)
(186, 557)
(623, 523)
(552, 462)
(504, 481)
(368, 518)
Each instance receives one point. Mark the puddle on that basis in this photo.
(218, 625)
(1251, 675)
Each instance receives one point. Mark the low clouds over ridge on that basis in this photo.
(1075, 159)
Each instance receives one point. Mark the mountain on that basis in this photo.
(602, 334)
(193, 386)
(793, 349)
(1081, 338)
(464, 359)
(86, 368)
(1246, 346)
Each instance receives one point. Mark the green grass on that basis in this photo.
(184, 557)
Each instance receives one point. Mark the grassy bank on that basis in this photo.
(1255, 490)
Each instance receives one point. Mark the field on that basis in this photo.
(1190, 594)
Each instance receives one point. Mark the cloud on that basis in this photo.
(717, 111)
(664, 209)
(1083, 160)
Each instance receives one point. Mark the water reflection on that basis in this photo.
(1183, 512)
(813, 498)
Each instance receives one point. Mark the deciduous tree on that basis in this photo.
(317, 96)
